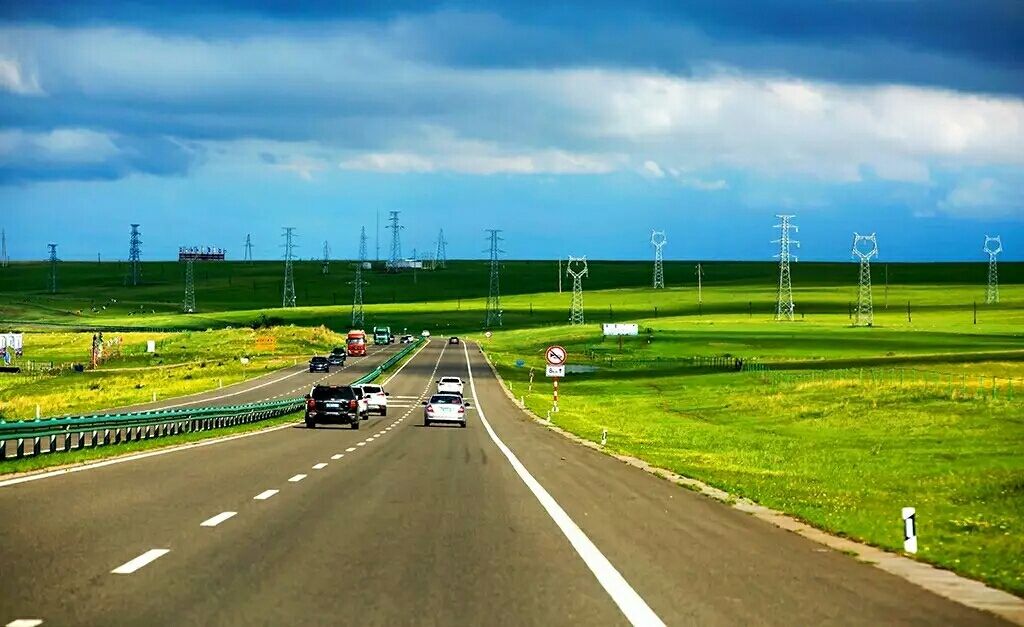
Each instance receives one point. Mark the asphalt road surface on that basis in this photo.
(500, 523)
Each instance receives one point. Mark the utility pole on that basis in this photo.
(577, 269)
(658, 240)
(190, 287)
(288, 298)
(993, 246)
(135, 255)
(53, 267)
(4, 258)
(886, 287)
(377, 238)
(441, 256)
(864, 248)
(700, 282)
(357, 297)
(492, 316)
(248, 248)
(396, 240)
(784, 306)
(559, 275)
(325, 268)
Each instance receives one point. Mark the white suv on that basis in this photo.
(376, 398)
(449, 385)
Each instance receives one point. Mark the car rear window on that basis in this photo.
(319, 359)
(372, 389)
(449, 380)
(338, 351)
(445, 400)
(323, 392)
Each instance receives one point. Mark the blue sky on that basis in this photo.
(576, 128)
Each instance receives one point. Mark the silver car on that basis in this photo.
(445, 408)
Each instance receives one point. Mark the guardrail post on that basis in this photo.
(67, 441)
(53, 444)
(35, 446)
(3, 450)
(106, 437)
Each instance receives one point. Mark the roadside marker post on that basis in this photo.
(909, 530)
(555, 356)
(604, 437)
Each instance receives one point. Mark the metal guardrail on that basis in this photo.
(73, 433)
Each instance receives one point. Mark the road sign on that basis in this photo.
(556, 371)
(488, 335)
(555, 355)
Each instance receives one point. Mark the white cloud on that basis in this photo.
(14, 79)
(652, 169)
(984, 198)
(62, 145)
(704, 185)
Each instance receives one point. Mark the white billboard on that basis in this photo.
(619, 328)
(14, 340)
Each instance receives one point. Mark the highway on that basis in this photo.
(501, 523)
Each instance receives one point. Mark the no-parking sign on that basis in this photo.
(555, 355)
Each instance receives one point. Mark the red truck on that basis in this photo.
(356, 342)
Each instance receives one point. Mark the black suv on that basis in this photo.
(337, 404)
(453, 340)
(319, 364)
(337, 356)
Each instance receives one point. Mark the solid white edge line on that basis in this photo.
(297, 478)
(264, 495)
(216, 520)
(131, 566)
(25, 622)
(630, 603)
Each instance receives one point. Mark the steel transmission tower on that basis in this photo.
(135, 254)
(396, 240)
(993, 246)
(784, 306)
(357, 297)
(325, 268)
(4, 258)
(53, 267)
(189, 305)
(577, 269)
(864, 248)
(288, 299)
(248, 247)
(492, 316)
(441, 256)
(658, 240)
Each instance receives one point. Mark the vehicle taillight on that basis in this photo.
(430, 409)
(352, 404)
(462, 409)
(310, 404)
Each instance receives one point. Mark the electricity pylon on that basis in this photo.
(357, 297)
(53, 267)
(189, 305)
(441, 256)
(784, 306)
(248, 248)
(396, 240)
(577, 269)
(993, 246)
(288, 298)
(658, 240)
(864, 248)
(135, 254)
(492, 315)
(325, 268)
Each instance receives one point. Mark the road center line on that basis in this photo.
(264, 495)
(216, 520)
(297, 478)
(630, 603)
(131, 566)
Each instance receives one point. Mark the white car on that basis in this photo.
(449, 385)
(425, 333)
(376, 398)
(364, 401)
(445, 408)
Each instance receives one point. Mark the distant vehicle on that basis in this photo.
(453, 340)
(425, 333)
(382, 335)
(363, 401)
(445, 408)
(337, 356)
(337, 404)
(319, 364)
(356, 343)
(376, 397)
(449, 385)
(406, 339)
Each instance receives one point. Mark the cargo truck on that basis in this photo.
(356, 343)
(382, 335)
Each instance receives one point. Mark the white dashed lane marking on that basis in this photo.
(360, 444)
(320, 466)
(350, 449)
(264, 495)
(131, 566)
(216, 520)
(297, 478)
(337, 456)
(25, 622)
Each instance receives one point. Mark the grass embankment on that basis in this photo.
(185, 363)
(843, 453)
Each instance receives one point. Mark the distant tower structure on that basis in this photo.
(577, 269)
(357, 298)
(4, 258)
(784, 306)
(135, 255)
(993, 246)
(700, 284)
(325, 268)
(53, 267)
(441, 256)
(864, 248)
(248, 247)
(376, 239)
(189, 306)
(658, 240)
(288, 298)
(396, 240)
(492, 316)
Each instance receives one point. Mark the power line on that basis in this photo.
(658, 240)
(248, 247)
(53, 267)
(993, 246)
(864, 248)
(492, 316)
(288, 298)
(577, 272)
(784, 306)
(189, 306)
(135, 255)
(325, 268)
(357, 297)
(396, 240)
